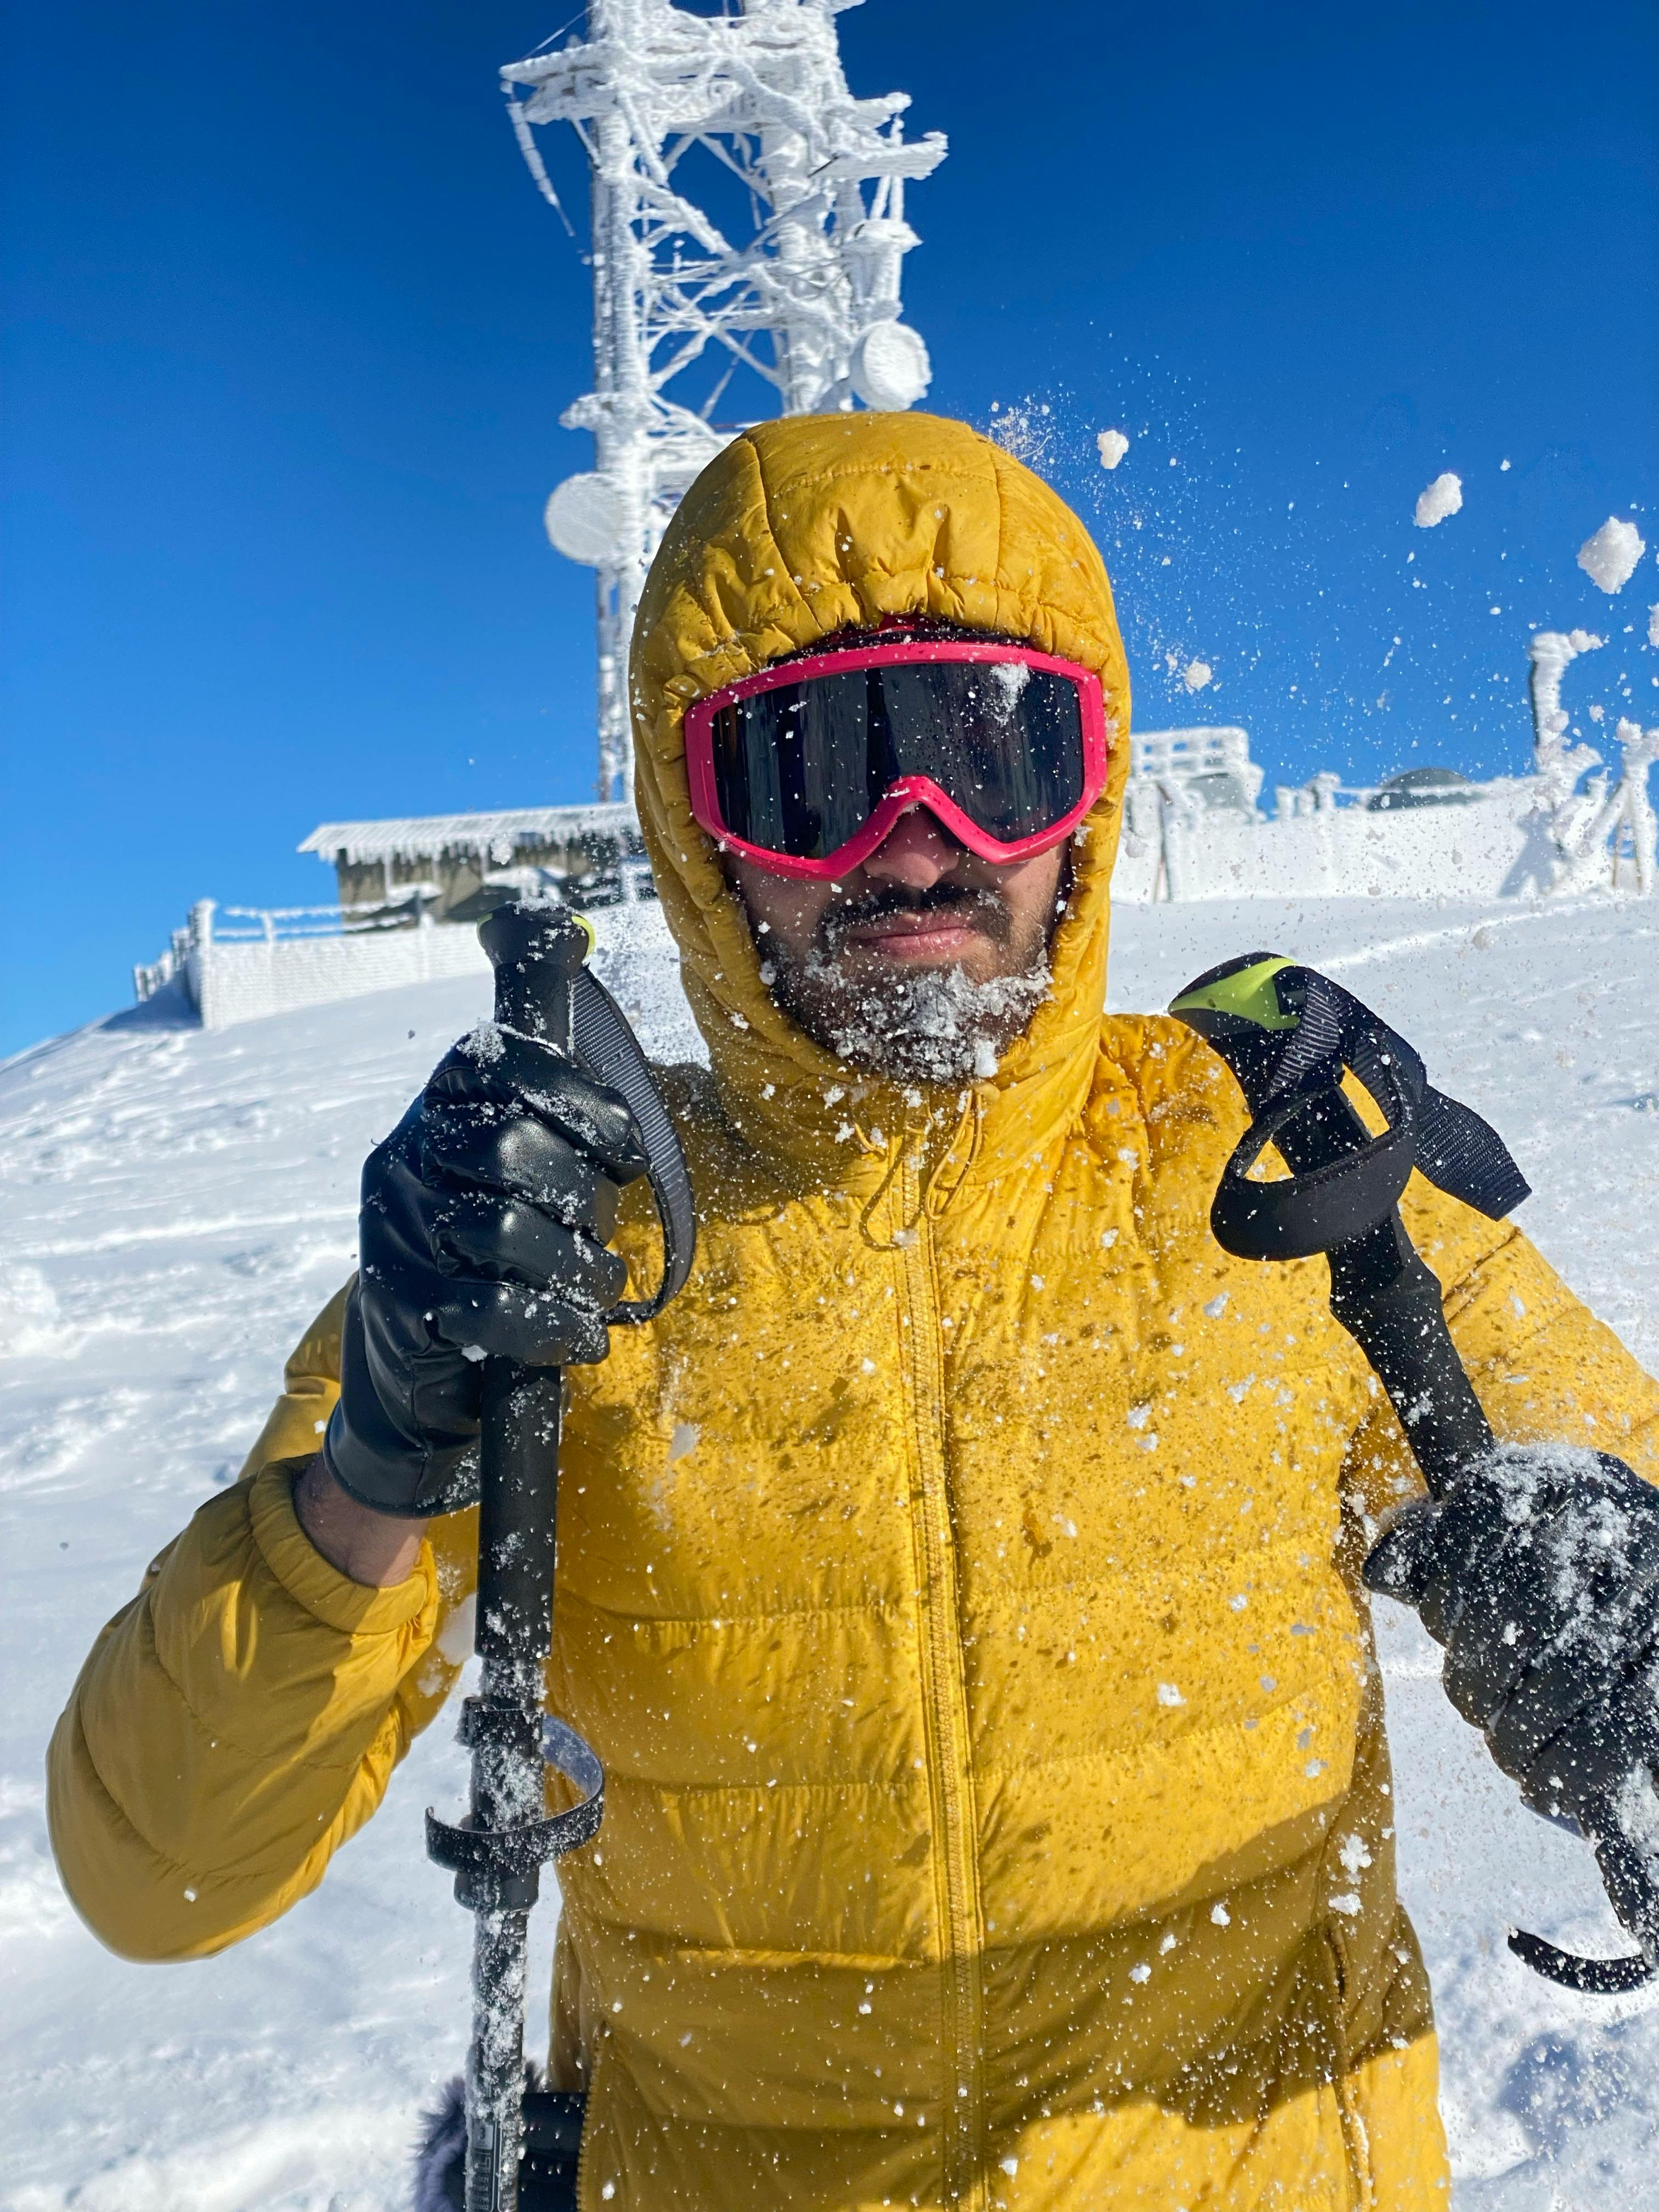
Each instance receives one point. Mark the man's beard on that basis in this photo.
(922, 1025)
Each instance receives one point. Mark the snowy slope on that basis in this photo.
(175, 1207)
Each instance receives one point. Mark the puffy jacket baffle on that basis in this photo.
(958, 1580)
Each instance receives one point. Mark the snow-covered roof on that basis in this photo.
(428, 837)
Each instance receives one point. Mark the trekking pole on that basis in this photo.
(496, 1852)
(1288, 1034)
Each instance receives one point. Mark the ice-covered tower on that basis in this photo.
(802, 289)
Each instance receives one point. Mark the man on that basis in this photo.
(959, 1581)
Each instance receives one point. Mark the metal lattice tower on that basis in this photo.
(807, 297)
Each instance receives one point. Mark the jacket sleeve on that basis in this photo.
(239, 1720)
(1544, 1369)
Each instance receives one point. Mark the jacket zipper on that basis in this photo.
(579, 2194)
(944, 1703)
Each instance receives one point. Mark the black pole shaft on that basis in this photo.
(1389, 1301)
(494, 2062)
(516, 1521)
(1398, 1320)
(537, 952)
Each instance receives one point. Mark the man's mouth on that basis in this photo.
(924, 939)
(917, 933)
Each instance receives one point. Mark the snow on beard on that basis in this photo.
(925, 1025)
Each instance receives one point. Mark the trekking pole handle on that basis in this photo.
(537, 949)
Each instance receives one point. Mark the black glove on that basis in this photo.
(1540, 1574)
(484, 1219)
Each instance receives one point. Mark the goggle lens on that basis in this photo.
(800, 769)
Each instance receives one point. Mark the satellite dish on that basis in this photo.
(890, 368)
(585, 518)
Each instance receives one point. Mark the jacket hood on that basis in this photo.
(801, 528)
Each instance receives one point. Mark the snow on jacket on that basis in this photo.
(958, 1581)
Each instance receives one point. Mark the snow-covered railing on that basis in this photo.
(234, 963)
(153, 975)
(1212, 765)
(211, 924)
(1210, 749)
(1320, 794)
(270, 925)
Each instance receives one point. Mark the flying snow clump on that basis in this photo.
(1196, 674)
(1443, 497)
(1113, 447)
(1027, 430)
(1609, 558)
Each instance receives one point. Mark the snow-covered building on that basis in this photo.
(411, 890)
(454, 867)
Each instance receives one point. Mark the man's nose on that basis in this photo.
(916, 851)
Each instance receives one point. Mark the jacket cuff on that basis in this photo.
(349, 1607)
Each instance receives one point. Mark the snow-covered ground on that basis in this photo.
(173, 1207)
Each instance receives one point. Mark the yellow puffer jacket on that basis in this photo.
(958, 1580)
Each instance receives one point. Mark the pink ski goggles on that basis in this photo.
(806, 766)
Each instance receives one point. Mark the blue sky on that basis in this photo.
(289, 333)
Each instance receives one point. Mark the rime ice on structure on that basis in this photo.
(808, 298)
(1586, 825)
(1551, 654)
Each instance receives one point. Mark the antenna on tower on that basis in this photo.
(804, 295)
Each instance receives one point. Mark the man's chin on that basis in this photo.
(916, 1021)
